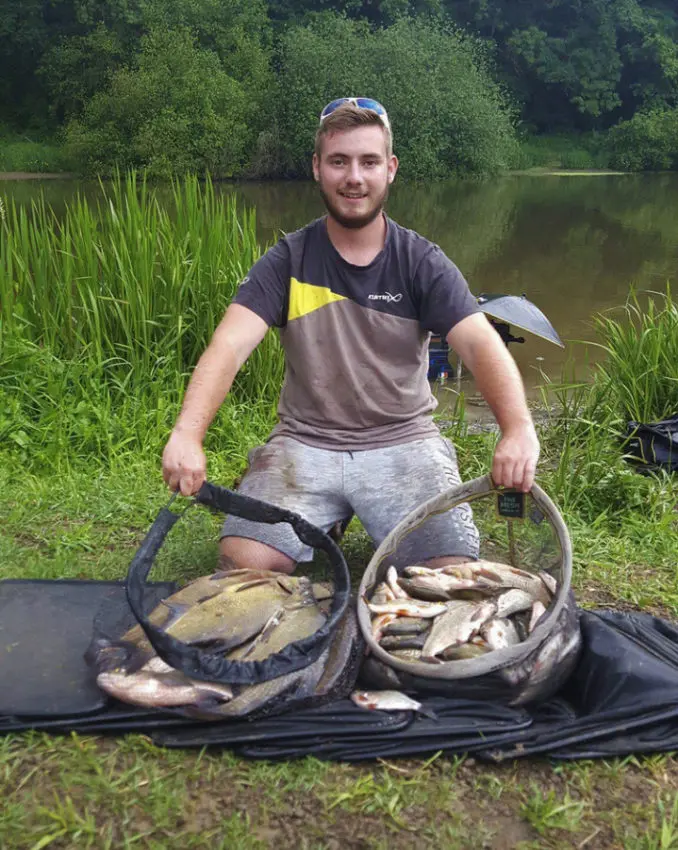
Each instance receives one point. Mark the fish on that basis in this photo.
(406, 626)
(161, 690)
(435, 587)
(380, 623)
(392, 582)
(460, 622)
(388, 701)
(492, 574)
(389, 642)
(499, 633)
(537, 612)
(406, 654)
(463, 652)
(287, 625)
(513, 601)
(408, 608)
(248, 616)
(382, 593)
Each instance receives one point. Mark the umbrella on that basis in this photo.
(517, 310)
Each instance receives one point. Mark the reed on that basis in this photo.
(104, 311)
(638, 378)
(131, 281)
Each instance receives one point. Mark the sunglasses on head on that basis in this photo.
(360, 103)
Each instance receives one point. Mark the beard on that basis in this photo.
(353, 222)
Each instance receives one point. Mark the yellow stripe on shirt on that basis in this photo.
(307, 297)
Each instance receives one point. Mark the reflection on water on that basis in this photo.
(574, 245)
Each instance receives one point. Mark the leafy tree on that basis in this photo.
(648, 142)
(447, 114)
(580, 63)
(175, 110)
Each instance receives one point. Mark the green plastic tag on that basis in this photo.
(511, 504)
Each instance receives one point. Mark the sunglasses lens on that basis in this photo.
(361, 103)
(335, 104)
(368, 103)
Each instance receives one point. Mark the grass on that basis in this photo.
(571, 151)
(20, 153)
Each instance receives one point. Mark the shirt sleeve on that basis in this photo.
(265, 288)
(443, 293)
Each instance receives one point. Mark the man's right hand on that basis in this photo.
(184, 465)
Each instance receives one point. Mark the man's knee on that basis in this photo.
(242, 553)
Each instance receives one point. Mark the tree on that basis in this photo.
(175, 110)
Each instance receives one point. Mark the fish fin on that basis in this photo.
(426, 712)
(286, 583)
(254, 583)
(176, 610)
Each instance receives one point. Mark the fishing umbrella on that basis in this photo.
(517, 310)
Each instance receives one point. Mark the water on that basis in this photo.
(574, 245)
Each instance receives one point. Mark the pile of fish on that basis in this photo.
(248, 615)
(457, 611)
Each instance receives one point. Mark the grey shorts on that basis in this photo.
(379, 486)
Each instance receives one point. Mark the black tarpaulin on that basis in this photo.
(622, 697)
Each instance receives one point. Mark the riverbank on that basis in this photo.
(37, 175)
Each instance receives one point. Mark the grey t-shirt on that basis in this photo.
(356, 337)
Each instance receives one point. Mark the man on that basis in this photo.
(355, 296)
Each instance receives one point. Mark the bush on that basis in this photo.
(176, 111)
(648, 142)
(448, 115)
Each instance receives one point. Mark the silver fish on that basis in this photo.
(499, 633)
(538, 611)
(392, 582)
(380, 623)
(385, 701)
(159, 690)
(406, 654)
(466, 650)
(492, 574)
(460, 622)
(435, 587)
(513, 601)
(407, 626)
(389, 642)
(408, 608)
(382, 593)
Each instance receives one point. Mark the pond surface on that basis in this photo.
(574, 245)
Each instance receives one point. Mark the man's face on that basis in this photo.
(354, 173)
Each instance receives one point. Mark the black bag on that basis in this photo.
(653, 446)
(326, 662)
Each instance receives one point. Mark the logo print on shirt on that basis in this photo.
(390, 299)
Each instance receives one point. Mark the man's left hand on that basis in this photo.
(515, 458)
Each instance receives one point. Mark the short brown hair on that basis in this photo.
(348, 117)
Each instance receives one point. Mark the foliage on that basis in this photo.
(110, 307)
(639, 376)
(575, 151)
(648, 142)
(176, 111)
(23, 154)
(579, 65)
(447, 114)
(636, 381)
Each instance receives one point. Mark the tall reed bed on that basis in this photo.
(132, 281)
(105, 309)
(637, 380)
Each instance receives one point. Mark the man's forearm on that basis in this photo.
(498, 379)
(211, 380)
